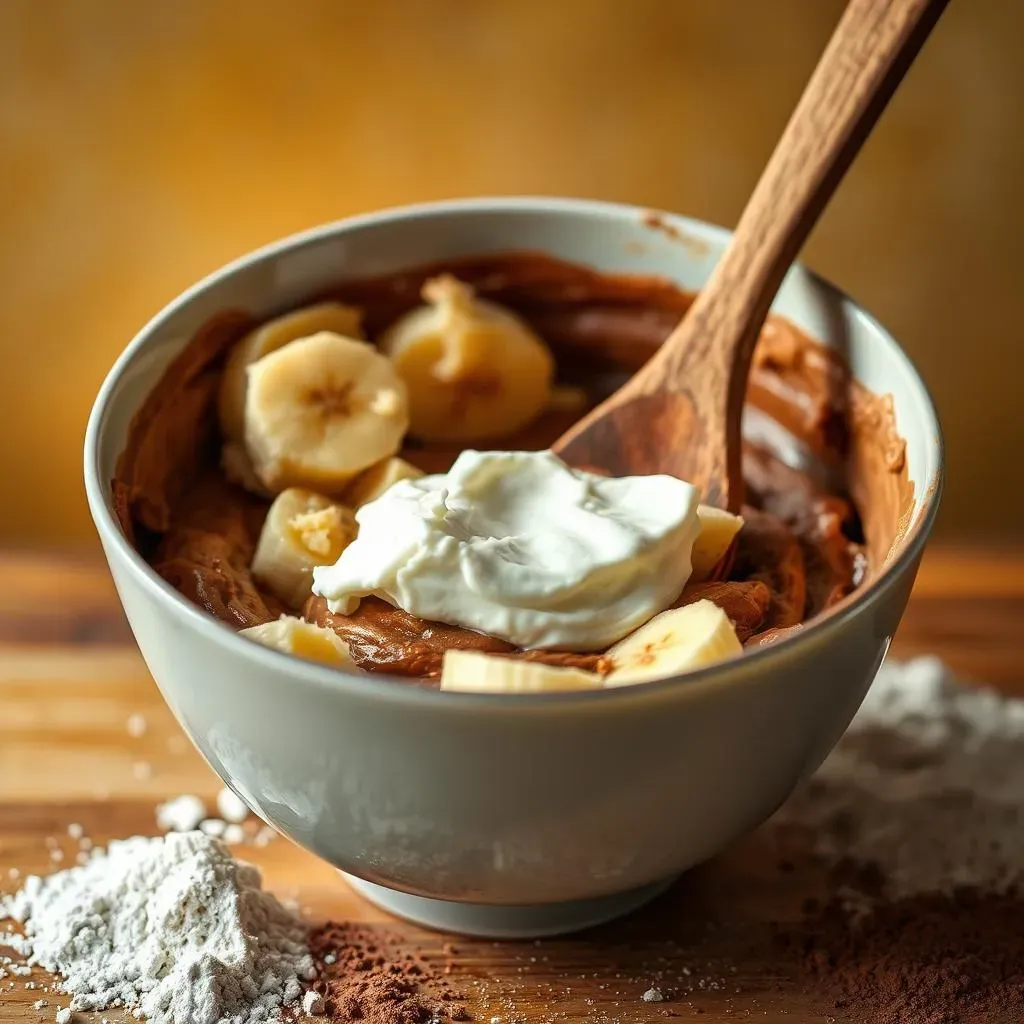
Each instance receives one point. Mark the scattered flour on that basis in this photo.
(312, 1003)
(172, 926)
(263, 836)
(927, 784)
(234, 834)
(231, 808)
(182, 814)
(187, 812)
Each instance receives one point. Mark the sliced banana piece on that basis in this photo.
(675, 641)
(268, 337)
(303, 639)
(718, 530)
(302, 530)
(472, 672)
(321, 410)
(237, 466)
(373, 482)
(474, 369)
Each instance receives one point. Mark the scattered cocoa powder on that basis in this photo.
(924, 792)
(366, 974)
(933, 958)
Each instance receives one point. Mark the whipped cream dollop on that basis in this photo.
(519, 546)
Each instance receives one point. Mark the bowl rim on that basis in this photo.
(397, 689)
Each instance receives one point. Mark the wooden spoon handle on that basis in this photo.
(868, 55)
(707, 358)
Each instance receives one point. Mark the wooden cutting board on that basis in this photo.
(70, 678)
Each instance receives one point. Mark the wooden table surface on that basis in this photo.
(70, 677)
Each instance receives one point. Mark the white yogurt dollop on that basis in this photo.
(519, 546)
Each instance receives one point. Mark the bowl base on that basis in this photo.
(490, 921)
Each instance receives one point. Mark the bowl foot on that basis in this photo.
(489, 921)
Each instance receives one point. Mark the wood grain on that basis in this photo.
(681, 413)
(69, 681)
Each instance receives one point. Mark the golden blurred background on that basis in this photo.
(143, 144)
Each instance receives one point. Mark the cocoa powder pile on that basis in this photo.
(364, 975)
(919, 811)
(937, 959)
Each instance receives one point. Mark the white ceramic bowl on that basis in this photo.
(525, 814)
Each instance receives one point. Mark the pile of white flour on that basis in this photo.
(927, 784)
(174, 927)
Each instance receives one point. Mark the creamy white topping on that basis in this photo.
(519, 546)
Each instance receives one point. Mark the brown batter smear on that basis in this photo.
(805, 546)
(822, 523)
(206, 553)
(174, 430)
(386, 639)
(746, 602)
(768, 551)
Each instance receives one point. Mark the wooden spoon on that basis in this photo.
(680, 414)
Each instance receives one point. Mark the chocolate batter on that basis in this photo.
(812, 535)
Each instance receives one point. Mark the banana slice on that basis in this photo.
(296, 636)
(302, 530)
(237, 466)
(472, 672)
(675, 641)
(474, 369)
(372, 483)
(321, 410)
(718, 530)
(326, 316)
